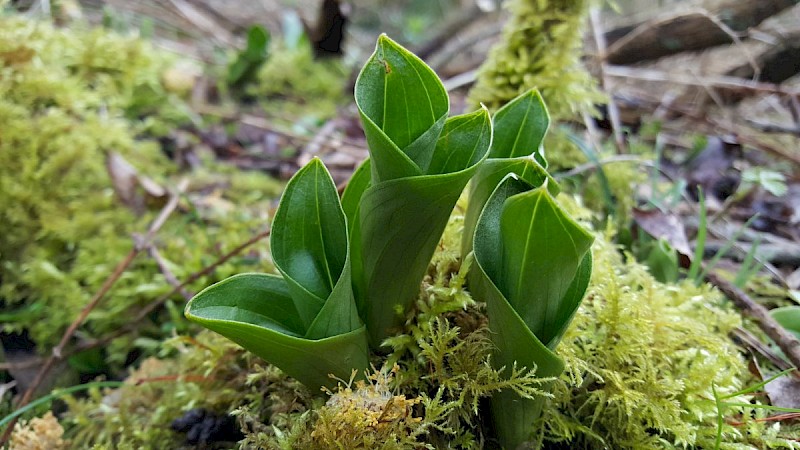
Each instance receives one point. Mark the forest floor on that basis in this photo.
(694, 161)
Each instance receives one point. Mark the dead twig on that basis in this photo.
(33, 362)
(463, 44)
(590, 166)
(147, 310)
(759, 347)
(774, 127)
(719, 81)
(168, 275)
(784, 339)
(446, 31)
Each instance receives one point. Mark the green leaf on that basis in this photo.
(403, 219)
(309, 239)
(520, 126)
(403, 106)
(788, 317)
(772, 181)
(257, 312)
(532, 267)
(351, 204)
(306, 323)
(541, 250)
(486, 179)
(463, 142)
(249, 60)
(257, 42)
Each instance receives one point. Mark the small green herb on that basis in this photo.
(352, 268)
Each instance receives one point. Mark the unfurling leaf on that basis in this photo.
(519, 128)
(532, 268)
(419, 163)
(306, 323)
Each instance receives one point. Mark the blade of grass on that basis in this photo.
(56, 393)
(591, 155)
(700, 244)
(727, 247)
(749, 265)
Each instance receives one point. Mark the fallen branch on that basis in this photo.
(776, 65)
(689, 31)
(783, 338)
(719, 81)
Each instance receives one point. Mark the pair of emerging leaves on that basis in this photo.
(350, 268)
(359, 261)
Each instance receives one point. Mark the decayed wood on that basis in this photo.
(776, 65)
(690, 31)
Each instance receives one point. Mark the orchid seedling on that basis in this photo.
(350, 269)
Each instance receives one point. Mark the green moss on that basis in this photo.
(67, 99)
(540, 48)
(292, 83)
(642, 358)
(207, 372)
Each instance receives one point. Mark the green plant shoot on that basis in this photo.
(305, 322)
(420, 162)
(519, 128)
(351, 268)
(532, 268)
(250, 60)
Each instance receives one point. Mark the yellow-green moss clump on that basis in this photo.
(540, 48)
(294, 85)
(40, 433)
(67, 99)
(207, 372)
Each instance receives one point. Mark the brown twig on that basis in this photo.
(32, 362)
(147, 310)
(720, 81)
(133, 324)
(168, 275)
(58, 352)
(784, 339)
(446, 31)
(775, 128)
(759, 347)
